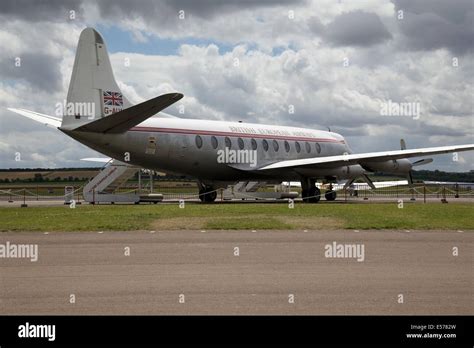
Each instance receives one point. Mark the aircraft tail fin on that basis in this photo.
(93, 92)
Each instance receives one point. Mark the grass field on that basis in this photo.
(238, 216)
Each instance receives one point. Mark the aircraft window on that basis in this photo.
(254, 144)
(275, 145)
(228, 143)
(297, 147)
(241, 143)
(214, 142)
(318, 147)
(287, 146)
(265, 144)
(308, 147)
(198, 141)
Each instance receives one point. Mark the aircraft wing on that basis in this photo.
(366, 157)
(50, 121)
(124, 120)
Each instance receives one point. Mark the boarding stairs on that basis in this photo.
(104, 186)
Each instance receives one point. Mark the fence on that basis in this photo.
(190, 191)
(417, 191)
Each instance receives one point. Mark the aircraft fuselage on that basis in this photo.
(192, 147)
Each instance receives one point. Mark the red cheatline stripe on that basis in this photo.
(230, 134)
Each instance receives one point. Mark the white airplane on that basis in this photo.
(216, 153)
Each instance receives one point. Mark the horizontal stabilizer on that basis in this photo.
(47, 120)
(97, 159)
(124, 120)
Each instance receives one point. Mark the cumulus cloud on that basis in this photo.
(34, 11)
(171, 8)
(40, 70)
(357, 28)
(429, 25)
(333, 63)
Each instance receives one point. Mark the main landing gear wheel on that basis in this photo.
(310, 193)
(330, 195)
(315, 195)
(207, 195)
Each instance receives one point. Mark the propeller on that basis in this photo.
(403, 146)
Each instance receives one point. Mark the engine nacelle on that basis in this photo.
(400, 166)
(352, 171)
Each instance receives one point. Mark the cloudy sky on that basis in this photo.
(335, 63)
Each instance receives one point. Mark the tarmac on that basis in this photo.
(240, 272)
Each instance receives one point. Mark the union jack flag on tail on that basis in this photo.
(113, 98)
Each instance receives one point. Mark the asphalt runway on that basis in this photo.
(273, 267)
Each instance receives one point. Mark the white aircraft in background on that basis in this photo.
(193, 147)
